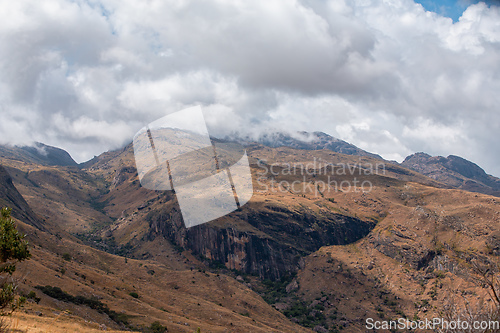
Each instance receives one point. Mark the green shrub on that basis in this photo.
(32, 295)
(156, 327)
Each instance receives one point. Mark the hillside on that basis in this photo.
(328, 240)
(174, 294)
(172, 291)
(10, 197)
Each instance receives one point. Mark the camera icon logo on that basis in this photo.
(211, 178)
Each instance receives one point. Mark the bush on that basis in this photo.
(156, 327)
(134, 294)
(33, 296)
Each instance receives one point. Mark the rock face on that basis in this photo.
(308, 141)
(262, 242)
(10, 197)
(455, 172)
(415, 257)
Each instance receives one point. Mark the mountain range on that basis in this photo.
(452, 171)
(316, 258)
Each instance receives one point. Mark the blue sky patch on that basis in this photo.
(450, 8)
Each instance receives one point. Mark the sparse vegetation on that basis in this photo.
(274, 291)
(93, 303)
(305, 315)
(107, 244)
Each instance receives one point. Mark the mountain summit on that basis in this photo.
(306, 141)
(454, 171)
(38, 153)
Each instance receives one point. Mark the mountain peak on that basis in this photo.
(455, 171)
(38, 153)
(304, 140)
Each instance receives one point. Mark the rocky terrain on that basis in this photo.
(357, 238)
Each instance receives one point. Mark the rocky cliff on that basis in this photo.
(263, 240)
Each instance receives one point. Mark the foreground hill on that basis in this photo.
(139, 292)
(417, 261)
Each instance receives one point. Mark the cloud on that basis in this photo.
(389, 77)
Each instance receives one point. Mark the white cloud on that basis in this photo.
(385, 75)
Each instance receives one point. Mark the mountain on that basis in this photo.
(269, 235)
(305, 140)
(10, 197)
(38, 153)
(454, 171)
(297, 239)
(68, 254)
(327, 240)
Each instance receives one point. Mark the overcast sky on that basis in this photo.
(387, 76)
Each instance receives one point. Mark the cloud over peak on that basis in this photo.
(389, 76)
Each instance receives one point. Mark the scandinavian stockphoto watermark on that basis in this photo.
(210, 178)
(317, 177)
(433, 324)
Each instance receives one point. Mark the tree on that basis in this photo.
(13, 249)
(156, 327)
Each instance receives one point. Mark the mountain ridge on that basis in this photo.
(304, 140)
(454, 171)
(10, 197)
(39, 153)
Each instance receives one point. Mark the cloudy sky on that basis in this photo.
(390, 76)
